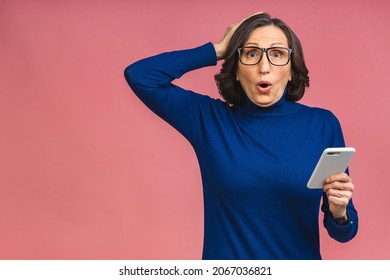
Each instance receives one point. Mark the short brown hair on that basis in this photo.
(231, 90)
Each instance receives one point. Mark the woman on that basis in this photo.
(257, 150)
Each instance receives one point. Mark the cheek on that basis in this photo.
(243, 74)
(285, 75)
(289, 73)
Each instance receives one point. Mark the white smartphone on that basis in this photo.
(332, 161)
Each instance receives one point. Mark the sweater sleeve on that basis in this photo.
(346, 232)
(151, 80)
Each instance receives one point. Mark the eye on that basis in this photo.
(251, 53)
(277, 53)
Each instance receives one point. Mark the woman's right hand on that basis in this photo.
(220, 48)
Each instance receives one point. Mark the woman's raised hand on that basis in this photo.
(220, 48)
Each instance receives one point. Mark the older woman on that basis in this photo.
(256, 149)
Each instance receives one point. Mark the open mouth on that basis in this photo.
(264, 86)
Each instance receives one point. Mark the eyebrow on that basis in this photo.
(255, 44)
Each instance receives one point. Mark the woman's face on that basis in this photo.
(264, 83)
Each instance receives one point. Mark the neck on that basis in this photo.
(280, 106)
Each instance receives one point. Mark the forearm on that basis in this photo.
(160, 70)
(343, 229)
(151, 80)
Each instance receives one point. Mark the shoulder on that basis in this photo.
(319, 117)
(324, 122)
(321, 113)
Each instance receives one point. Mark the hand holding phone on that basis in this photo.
(332, 161)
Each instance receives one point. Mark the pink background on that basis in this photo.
(88, 172)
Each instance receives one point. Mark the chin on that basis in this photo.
(264, 102)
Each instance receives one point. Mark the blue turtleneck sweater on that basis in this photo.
(254, 162)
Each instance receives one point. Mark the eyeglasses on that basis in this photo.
(278, 56)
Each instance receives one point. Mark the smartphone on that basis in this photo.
(332, 161)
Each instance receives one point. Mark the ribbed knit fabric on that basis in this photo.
(255, 162)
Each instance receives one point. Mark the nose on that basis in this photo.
(264, 65)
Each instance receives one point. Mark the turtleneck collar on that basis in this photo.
(281, 107)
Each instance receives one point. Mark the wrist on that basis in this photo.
(341, 220)
(219, 51)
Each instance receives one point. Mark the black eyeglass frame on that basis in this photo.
(264, 50)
